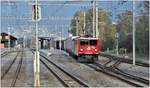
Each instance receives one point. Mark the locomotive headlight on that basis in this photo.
(88, 48)
(81, 49)
(95, 49)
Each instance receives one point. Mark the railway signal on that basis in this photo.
(36, 10)
(36, 17)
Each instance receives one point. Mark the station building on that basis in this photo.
(51, 42)
(45, 42)
(4, 37)
(57, 44)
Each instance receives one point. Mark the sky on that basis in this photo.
(50, 9)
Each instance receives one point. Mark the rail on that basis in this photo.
(67, 72)
(112, 74)
(9, 67)
(17, 70)
(124, 60)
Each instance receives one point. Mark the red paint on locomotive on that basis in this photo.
(88, 46)
(83, 47)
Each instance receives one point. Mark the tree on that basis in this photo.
(105, 27)
(77, 20)
(124, 27)
(142, 30)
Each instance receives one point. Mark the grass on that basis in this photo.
(139, 56)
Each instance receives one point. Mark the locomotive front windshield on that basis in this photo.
(88, 42)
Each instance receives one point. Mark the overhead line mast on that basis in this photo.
(133, 32)
(95, 19)
(36, 60)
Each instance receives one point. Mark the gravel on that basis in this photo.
(129, 68)
(47, 79)
(94, 78)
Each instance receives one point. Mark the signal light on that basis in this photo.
(36, 13)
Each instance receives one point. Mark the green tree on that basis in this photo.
(78, 20)
(105, 27)
(124, 26)
(142, 30)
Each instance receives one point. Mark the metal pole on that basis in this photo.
(9, 38)
(60, 40)
(149, 35)
(97, 32)
(24, 39)
(36, 63)
(117, 45)
(134, 32)
(9, 26)
(84, 24)
(77, 31)
(93, 18)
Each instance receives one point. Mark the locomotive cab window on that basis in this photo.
(84, 42)
(88, 42)
(93, 42)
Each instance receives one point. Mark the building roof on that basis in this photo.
(11, 37)
(45, 38)
(59, 38)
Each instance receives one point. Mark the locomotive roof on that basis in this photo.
(78, 37)
(87, 38)
(74, 37)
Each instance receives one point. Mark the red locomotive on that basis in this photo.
(85, 49)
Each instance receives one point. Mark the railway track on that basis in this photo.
(124, 60)
(16, 72)
(113, 71)
(63, 75)
(8, 52)
(9, 66)
(119, 71)
(119, 74)
(5, 53)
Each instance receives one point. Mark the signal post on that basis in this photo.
(36, 16)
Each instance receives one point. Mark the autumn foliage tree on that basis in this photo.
(106, 29)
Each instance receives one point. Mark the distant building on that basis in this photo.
(57, 44)
(4, 37)
(45, 42)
